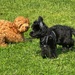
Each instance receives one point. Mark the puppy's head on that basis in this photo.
(21, 23)
(38, 28)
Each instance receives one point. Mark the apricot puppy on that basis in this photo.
(11, 32)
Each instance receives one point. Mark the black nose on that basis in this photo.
(27, 27)
(31, 33)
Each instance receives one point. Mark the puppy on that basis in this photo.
(50, 37)
(47, 40)
(11, 32)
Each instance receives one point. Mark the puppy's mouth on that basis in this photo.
(27, 27)
(34, 34)
(31, 34)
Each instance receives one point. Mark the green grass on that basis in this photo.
(24, 58)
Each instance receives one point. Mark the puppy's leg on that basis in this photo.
(68, 43)
(43, 52)
(71, 44)
(59, 40)
(53, 53)
(53, 50)
(2, 41)
(64, 47)
(47, 51)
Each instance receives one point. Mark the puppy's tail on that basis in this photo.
(73, 31)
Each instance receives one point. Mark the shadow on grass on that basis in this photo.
(58, 51)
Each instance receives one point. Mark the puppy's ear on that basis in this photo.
(40, 18)
(41, 25)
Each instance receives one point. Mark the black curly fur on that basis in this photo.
(64, 35)
(50, 37)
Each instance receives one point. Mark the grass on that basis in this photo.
(24, 58)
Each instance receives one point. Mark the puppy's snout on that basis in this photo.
(27, 27)
(31, 33)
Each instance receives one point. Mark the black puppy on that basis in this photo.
(49, 37)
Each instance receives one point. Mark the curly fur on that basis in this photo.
(11, 32)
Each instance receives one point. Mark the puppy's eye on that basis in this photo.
(20, 25)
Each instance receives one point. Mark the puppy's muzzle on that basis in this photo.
(31, 33)
(27, 27)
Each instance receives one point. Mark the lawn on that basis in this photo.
(24, 58)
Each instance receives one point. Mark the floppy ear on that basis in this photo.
(40, 18)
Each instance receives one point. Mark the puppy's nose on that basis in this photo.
(31, 33)
(27, 27)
